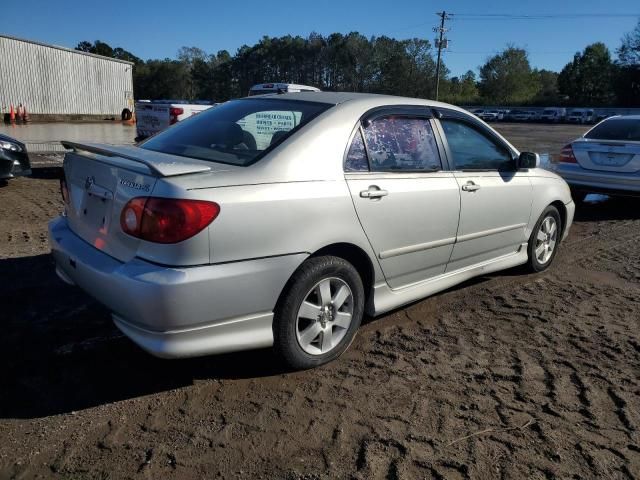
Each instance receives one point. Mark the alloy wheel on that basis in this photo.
(324, 316)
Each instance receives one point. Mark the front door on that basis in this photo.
(407, 205)
(495, 197)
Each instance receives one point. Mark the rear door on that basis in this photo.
(495, 198)
(407, 204)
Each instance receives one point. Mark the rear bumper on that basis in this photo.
(579, 178)
(178, 311)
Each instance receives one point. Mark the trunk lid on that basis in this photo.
(608, 155)
(101, 179)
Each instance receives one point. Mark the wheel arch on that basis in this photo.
(562, 210)
(353, 254)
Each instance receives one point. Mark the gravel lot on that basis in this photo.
(508, 376)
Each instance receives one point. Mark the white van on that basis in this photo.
(581, 115)
(264, 88)
(554, 114)
(156, 115)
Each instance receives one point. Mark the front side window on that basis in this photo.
(238, 132)
(401, 143)
(473, 150)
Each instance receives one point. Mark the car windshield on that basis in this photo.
(239, 132)
(616, 129)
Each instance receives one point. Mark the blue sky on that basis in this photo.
(158, 28)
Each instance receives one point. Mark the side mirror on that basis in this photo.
(528, 160)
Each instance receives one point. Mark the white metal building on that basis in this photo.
(57, 81)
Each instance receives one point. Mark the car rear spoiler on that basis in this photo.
(160, 164)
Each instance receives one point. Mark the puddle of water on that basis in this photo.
(45, 137)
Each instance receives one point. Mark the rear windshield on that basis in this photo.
(616, 129)
(238, 132)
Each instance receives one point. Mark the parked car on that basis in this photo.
(534, 116)
(203, 240)
(553, 115)
(581, 116)
(266, 88)
(519, 116)
(14, 159)
(603, 115)
(606, 159)
(489, 115)
(154, 116)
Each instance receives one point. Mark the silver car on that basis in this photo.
(606, 159)
(281, 220)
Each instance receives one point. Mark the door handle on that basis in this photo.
(470, 187)
(373, 192)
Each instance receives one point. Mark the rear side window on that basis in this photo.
(356, 160)
(616, 129)
(238, 132)
(473, 150)
(400, 143)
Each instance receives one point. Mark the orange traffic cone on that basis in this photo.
(25, 115)
(12, 115)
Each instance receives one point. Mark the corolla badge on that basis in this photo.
(136, 186)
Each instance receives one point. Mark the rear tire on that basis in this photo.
(544, 240)
(319, 312)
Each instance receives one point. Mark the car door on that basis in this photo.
(495, 197)
(407, 204)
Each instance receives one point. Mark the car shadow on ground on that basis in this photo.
(60, 351)
(603, 207)
(47, 173)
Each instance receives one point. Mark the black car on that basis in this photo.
(14, 160)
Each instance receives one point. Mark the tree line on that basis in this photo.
(353, 62)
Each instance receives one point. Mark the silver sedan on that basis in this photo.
(606, 159)
(281, 220)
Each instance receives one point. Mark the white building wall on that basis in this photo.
(60, 81)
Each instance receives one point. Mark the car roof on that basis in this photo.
(336, 98)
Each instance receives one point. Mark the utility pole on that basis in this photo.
(441, 43)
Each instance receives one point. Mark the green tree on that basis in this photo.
(627, 78)
(629, 50)
(588, 78)
(461, 90)
(104, 49)
(507, 78)
(547, 87)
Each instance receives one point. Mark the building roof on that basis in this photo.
(71, 50)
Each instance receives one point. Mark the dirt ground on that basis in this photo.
(511, 375)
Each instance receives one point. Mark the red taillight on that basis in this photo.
(166, 220)
(174, 113)
(64, 191)
(567, 156)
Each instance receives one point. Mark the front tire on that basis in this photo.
(544, 240)
(319, 312)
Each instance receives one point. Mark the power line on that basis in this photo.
(554, 16)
